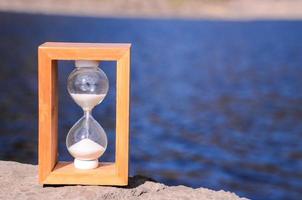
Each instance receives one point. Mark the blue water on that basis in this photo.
(215, 104)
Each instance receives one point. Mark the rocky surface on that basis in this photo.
(19, 181)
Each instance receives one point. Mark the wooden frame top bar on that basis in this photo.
(85, 51)
(85, 45)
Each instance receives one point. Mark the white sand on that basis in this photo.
(88, 101)
(86, 149)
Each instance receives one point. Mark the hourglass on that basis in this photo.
(86, 141)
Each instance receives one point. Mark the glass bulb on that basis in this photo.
(88, 85)
(86, 141)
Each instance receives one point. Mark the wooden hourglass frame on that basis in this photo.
(52, 171)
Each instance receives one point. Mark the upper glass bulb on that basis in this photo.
(87, 84)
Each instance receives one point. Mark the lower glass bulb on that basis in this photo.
(86, 142)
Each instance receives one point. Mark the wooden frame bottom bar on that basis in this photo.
(65, 173)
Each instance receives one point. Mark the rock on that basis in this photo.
(20, 181)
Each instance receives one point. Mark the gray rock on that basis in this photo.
(20, 181)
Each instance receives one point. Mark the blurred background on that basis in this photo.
(216, 87)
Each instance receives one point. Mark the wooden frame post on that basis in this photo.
(50, 170)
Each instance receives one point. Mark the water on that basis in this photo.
(214, 103)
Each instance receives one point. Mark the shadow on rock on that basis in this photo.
(138, 180)
(134, 182)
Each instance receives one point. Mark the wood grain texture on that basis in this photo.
(65, 173)
(85, 51)
(51, 172)
(48, 115)
(122, 112)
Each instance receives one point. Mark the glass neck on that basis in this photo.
(87, 113)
